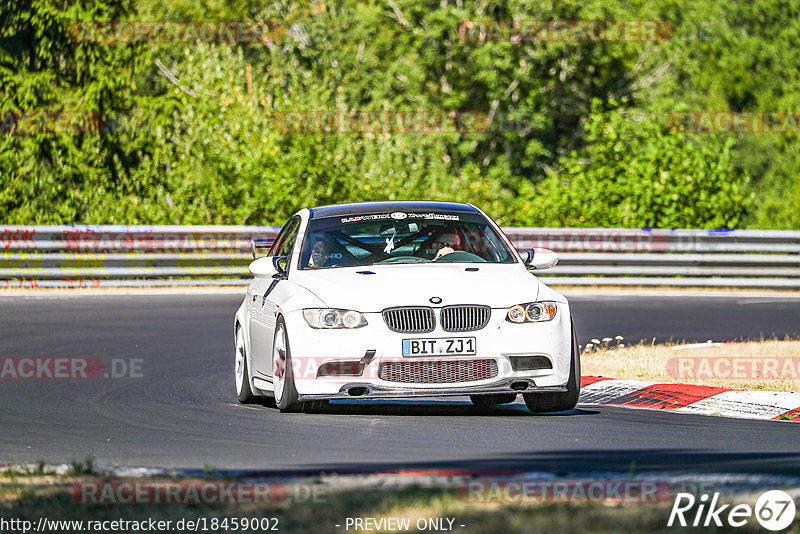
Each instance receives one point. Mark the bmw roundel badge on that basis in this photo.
(435, 300)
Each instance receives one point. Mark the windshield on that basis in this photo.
(401, 237)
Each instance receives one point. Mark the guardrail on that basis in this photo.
(142, 256)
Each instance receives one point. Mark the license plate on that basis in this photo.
(439, 346)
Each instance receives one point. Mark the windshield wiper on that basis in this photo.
(402, 261)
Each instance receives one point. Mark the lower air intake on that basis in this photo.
(438, 371)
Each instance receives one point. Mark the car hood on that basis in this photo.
(495, 285)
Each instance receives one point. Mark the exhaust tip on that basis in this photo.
(519, 386)
(357, 391)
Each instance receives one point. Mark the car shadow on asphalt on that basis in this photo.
(438, 409)
(686, 464)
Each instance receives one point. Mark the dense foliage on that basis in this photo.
(570, 133)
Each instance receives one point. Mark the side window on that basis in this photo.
(285, 241)
(280, 239)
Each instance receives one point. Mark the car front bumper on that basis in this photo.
(376, 345)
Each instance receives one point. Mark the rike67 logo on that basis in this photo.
(774, 510)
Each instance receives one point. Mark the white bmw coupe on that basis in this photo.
(409, 299)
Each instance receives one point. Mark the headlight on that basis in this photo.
(532, 312)
(334, 318)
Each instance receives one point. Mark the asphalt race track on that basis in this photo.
(182, 411)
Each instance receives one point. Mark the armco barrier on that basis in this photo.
(127, 256)
(141, 256)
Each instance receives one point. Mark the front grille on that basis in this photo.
(412, 320)
(465, 318)
(438, 371)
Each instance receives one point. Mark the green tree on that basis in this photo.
(635, 172)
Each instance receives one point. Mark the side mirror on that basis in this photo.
(263, 268)
(259, 247)
(538, 259)
(269, 266)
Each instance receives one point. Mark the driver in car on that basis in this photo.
(320, 253)
(446, 243)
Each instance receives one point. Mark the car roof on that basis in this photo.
(362, 208)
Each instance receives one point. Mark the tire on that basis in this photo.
(560, 402)
(487, 401)
(283, 377)
(241, 373)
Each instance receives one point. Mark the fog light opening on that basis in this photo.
(357, 391)
(519, 386)
(530, 363)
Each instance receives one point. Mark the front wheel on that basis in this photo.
(560, 402)
(241, 374)
(285, 391)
